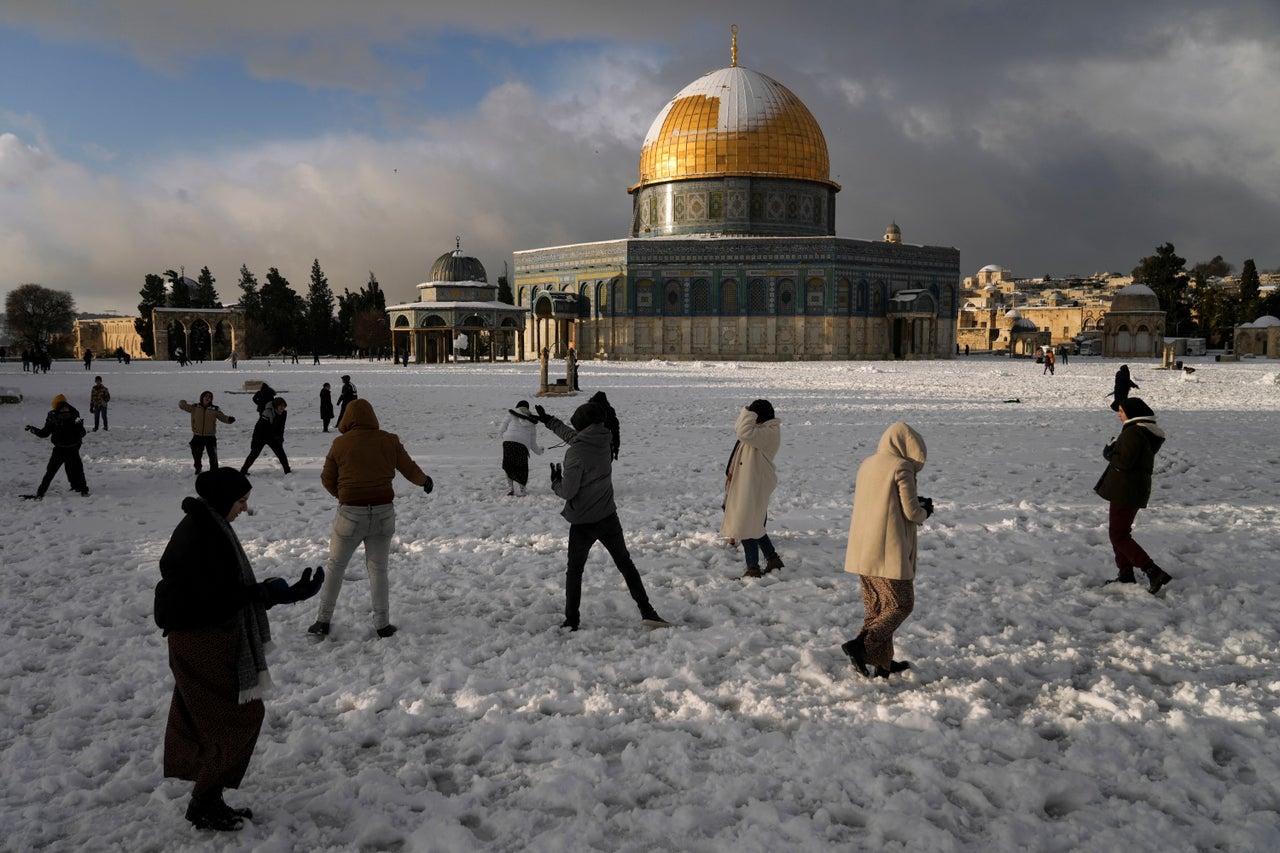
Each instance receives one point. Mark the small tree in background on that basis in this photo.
(1166, 274)
(154, 296)
(1250, 296)
(319, 320)
(36, 314)
(206, 296)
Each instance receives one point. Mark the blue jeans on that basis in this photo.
(751, 549)
(352, 525)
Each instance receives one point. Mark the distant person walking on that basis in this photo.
(99, 396)
(326, 407)
(749, 481)
(204, 427)
(345, 395)
(88, 359)
(269, 432)
(519, 435)
(213, 610)
(585, 482)
(1048, 362)
(64, 428)
(1123, 386)
(1126, 485)
(358, 471)
(887, 511)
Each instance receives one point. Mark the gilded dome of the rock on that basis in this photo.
(731, 122)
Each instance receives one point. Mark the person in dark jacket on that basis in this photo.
(326, 406)
(269, 432)
(345, 395)
(1126, 484)
(99, 397)
(213, 612)
(610, 422)
(1123, 386)
(586, 483)
(64, 427)
(263, 396)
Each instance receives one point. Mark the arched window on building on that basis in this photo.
(672, 297)
(700, 290)
(786, 296)
(815, 296)
(619, 301)
(644, 297)
(860, 306)
(729, 297)
(757, 297)
(842, 297)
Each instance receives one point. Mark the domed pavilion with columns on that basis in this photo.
(732, 253)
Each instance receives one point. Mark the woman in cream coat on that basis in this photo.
(882, 545)
(750, 478)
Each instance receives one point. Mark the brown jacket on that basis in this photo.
(364, 460)
(204, 419)
(886, 508)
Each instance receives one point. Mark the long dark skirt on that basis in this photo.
(515, 461)
(211, 735)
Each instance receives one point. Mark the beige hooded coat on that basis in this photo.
(752, 477)
(886, 508)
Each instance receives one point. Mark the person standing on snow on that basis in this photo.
(204, 427)
(610, 421)
(269, 432)
(1126, 485)
(64, 427)
(99, 396)
(585, 481)
(1123, 386)
(519, 435)
(212, 610)
(326, 407)
(345, 395)
(358, 471)
(887, 511)
(749, 480)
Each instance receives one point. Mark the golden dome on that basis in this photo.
(734, 121)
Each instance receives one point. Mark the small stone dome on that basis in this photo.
(992, 268)
(1135, 297)
(1022, 324)
(893, 234)
(456, 266)
(1266, 321)
(1013, 314)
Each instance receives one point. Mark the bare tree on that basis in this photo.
(35, 313)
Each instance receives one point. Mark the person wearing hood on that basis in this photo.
(326, 407)
(358, 471)
(610, 421)
(749, 481)
(64, 427)
(585, 481)
(269, 432)
(213, 611)
(345, 395)
(887, 511)
(204, 428)
(1123, 385)
(519, 435)
(1126, 485)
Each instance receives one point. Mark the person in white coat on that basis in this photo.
(887, 510)
(750, 478)
(519, 435)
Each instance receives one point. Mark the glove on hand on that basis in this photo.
(278, 591)
(927, 503)
(428, 486)
(543, 417)
(557, 473)
(231, 419)
(29, 428)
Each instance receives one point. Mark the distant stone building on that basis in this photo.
(457, 303)
(103, 335)
(1134, 324)
(1259, 338)
(732, 253)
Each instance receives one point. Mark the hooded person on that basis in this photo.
(887, 511)
(359, 469)
(346, 394)
(610, 421)
(212, 610)
(749, 480)
(519, 435)
(64, 428)
(585, 482)
(1126, 486)
(1123, 385)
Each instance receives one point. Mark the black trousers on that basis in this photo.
(255, 447)
(202, 443)
(608, 532)
(69, 456)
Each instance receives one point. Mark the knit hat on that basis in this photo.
(1134, 407)
(222, 487)
(58, 401)
(763, 410)
(586, 415)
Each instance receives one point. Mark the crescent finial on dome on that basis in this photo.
(733, 50)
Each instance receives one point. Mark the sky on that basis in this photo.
(1065, 139)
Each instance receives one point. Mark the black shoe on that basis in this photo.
(84, 493)
(572, 626)
(752, 572)
(318, 627)
(213, 814)
(894, 666)
(773, 564)
(651, 619)
(856, 649)
(1125, 576)
(1157, 578)
(386, 630)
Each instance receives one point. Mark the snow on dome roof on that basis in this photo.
(1135, 297)
(1022, 324)
(1266, 321)
(1013, 314)
(992, 268)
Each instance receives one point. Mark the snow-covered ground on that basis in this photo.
(1044, 711)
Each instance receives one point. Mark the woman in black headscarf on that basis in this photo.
(1122, 388)
(214, 613)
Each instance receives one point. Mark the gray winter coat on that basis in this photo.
(587, 487)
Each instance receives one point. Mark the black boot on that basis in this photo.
(207, 811)
(1156, 578)
(1124, 576)
(773, 564)
(856, 649)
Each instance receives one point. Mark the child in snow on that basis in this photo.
(749, 480)
(204, 425)
(99, 396)
(1122, 387)
(63, 427)
(519, 435)
(269, 432)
